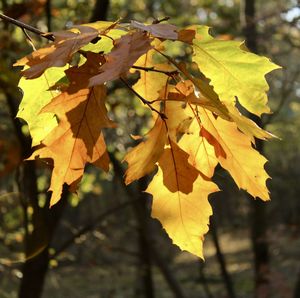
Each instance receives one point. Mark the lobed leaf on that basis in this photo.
(233, 71)
(36, 94)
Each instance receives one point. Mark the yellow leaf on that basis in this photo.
(234, 72)
(37, 93)
(150, 83)
(184, 216)
(201, 154)
(142, 158)
(242, 161)
(178, 121)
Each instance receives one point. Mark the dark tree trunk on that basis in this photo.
(258, 208)
(221, 260)
(145, 265)
(100, 11)
(297, 287)
(44, 220)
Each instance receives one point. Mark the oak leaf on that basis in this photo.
(126, 51)
(233, 71)
(77, 139)
(165, 31)
(180, 200)
(57, 53)
(150, 82)
(142, 158)
(242, 161)
(202, 154)
(36, 94)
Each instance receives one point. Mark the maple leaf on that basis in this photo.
(180, 200)
(242, 161)
(165, 31)
(77, 139)
(234, 72)
(142, 158)
(36, 94)
(126, 51)
(59, 52)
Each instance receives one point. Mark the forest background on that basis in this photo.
(103, 243)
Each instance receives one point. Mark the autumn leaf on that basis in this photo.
(36, 94)
(249, 127)
(234, 72)
(106, 43)
(165, 31)
(142, 158)
(202, 154)
(77, 139)
(242, 161)
(126, 51)
(57, 53)
(180, 200)
(206, 98)
(151, 83)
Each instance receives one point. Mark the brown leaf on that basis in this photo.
(125, 53)
(187, 35)
(77, 139)
(57, 53)
(142, 158)
(165, 31)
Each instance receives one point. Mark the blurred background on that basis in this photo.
(102, 242)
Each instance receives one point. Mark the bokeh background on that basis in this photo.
(102, 242)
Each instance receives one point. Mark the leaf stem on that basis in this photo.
(144, 101)
(168, 73)
(27, 27)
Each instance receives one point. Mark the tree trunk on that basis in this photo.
(258, 208)
(44, 220)
(100, 11)
(144, 273)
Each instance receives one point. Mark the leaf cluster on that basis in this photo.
(196, 123)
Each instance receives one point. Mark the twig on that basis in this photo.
(91, 226)
(27, 27)
(168, 73)
(157, 21)
(146, 102)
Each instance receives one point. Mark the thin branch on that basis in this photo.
(145, 102)
(48, 9)
(91, 226)
(168, 73)
(27, 27)
(157, 21)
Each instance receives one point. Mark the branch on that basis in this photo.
(168, 73)
(26, 27)
(91, 226)
(145, 102)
